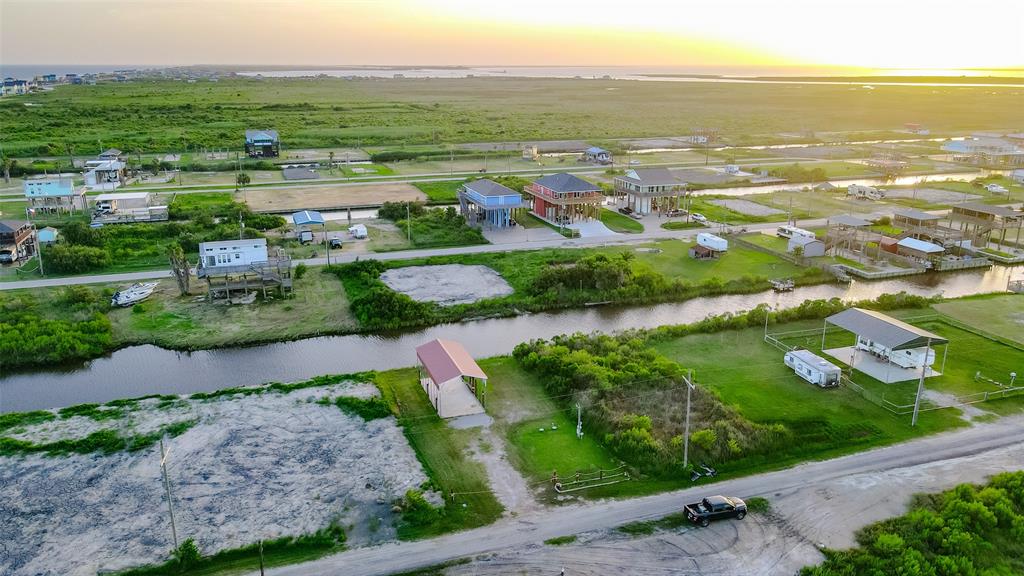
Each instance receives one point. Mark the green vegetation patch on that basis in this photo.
(967, 530)
(620, 222)
(189, 561)
(442, 451)
(648, 527)
(560, 540)
(365, 408)
(106, 441)
(444, 192)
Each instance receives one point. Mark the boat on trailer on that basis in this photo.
(784, 285)
(133, 294)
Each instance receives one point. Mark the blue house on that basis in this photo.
(597, 155)
(485, 202)
(54, 196)
(262, 143)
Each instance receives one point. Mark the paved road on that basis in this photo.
(344, 257)
(533, 528)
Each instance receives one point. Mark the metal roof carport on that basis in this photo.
(891, 333)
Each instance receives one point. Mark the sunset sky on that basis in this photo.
(862, 33)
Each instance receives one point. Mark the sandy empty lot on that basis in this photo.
(252, 467)
(448, 284)
(329, 196)
(746, 207)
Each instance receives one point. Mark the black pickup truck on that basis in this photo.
(715, 507)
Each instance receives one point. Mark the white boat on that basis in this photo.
(132, 294)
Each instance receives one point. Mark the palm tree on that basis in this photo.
(242, 180)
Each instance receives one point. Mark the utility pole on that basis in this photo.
(167, 488)
(579, 422)
(408, 223)
(686, 429)
(39, 250)
(327, 246)
(920, 383)
(261, 558)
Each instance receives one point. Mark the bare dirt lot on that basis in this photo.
(702, 176)
(327, 197)
(931, 195)
(448, 284)
(746, 207)
(252, 467)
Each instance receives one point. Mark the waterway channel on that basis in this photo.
(140, 370)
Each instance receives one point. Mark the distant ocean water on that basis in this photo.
(27, 71)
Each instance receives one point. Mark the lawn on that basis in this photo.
(444, 192)
(716, 213)
(620, 222)
(318, 306)
(1001, 315)
(829, 421)
(521, 408)
(674, 261)
(772, 242)
(442, 451)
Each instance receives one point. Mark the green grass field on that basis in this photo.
(157, 116)
(440, 192)
(442, 452)
(674, 261)
(1001, 315)
(620, 222)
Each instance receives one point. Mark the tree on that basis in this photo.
(242, 180)
(187, 554)
(330, 165)
(179, 267)
(8, 164)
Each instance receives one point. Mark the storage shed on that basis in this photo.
(915, 248)
(810, 247)
(454, 383)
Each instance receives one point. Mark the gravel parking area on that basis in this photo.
(746, 207)
(252, 467)
(932, 195)
(448, 284)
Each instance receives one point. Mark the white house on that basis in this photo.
(104, 173)
(1017, 176)
(454, 383)
(225, 254)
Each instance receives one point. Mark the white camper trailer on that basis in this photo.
(357, 231)
(712, 242)
(907, 358)
(865, 192)
(813, 368)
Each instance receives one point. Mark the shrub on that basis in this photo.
(417, 511)
(704, 438)
(757, 504)
(300, 270)
(187, 554)
(72, 259)
(365, 408)
(397, 210)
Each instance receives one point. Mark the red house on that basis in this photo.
(564, 198)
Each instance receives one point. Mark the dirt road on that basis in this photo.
(819, 502)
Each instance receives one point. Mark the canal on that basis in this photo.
(140, 370)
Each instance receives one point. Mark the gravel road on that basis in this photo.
(819, 502)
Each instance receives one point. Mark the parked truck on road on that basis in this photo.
(714, 508)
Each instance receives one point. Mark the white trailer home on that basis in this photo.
(912, 358)
(712, 242)
(865, 192)
(226, 254)
(813, 368)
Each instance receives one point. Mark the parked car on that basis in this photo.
(8, 256)
(698, 217)
(715, 508)
(336, 243)
(626, 210)
(676, 213)
(995, 189)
